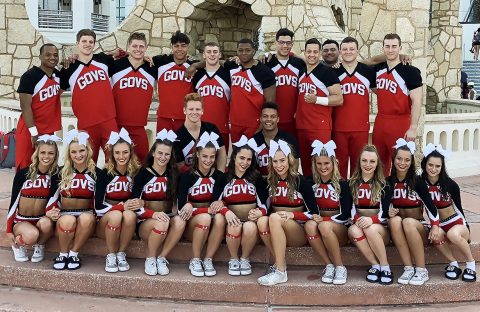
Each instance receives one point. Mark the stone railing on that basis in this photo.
(458, 133)
(462, 106)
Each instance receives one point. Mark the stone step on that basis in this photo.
(303, 287)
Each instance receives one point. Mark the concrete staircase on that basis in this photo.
(472, 68)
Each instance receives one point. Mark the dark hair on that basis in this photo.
(411, 177)
(179, 37)
(86, 32)
(171, 167)
(246, 40)
(47, 45)
(271, 105)
(137, 36)
(284, 32)
(443, 177)
(349, 40)
(330, 41)
(392, 36)
(198, 149)
(313, 41)
(251, 174)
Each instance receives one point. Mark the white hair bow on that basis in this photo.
(329, 147)
(244, 141)
(430, 148)
(166, 135)
(280, 145)
(401, 142)
(73, 134)
(47, 137)
(206, 137)
(115, 136)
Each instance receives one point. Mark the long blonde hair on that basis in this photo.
(336, 177)
(33, 168)
(292, 177)
(133, 165)
(68, 169)
(378, 180)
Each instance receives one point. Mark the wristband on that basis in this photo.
(33, 131)
(322, 100)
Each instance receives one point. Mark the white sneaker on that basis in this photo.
(328, 273)
(196, 267)
(245, 267)
(20, 253)
(111, 265)
(408, 272)
(234, 267)
(122, 262)
(208, 267)
(420, 277)
(151, 266)
(273, 278)
(38, 253)
(340, 275)
(162, 268)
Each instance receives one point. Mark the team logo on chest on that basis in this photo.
(38, 183)
(387, 84)
(174, 75)
(238, 189)
(242, 82)
(287, 80)
(156, 187)
(211, 90)
(91, 77)
(49, 92)
(353, 88)
(403, 193)
(201, 189)
(133, 82)
(82, 184)
(364, 194)
(326, 194)
(306, 87)
(119, 186)
(282, 191)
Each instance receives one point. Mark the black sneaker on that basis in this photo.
(60, 263)
(73, 263)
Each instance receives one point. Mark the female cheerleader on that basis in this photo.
(28, 224)
(154, 194)
(198, 190)
(75, 196)
(328, 231)
(368, 231)
(445, 194)
(292, 202)
(244, 197)
(113, 205)
(408, 228)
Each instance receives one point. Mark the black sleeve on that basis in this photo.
(64, 78)
(262, 190)
(385, 201)
(308, 196)
(55, 181)
(159, 60)
(185, 182)
(100, 188)
(371, 75)
(228, 65)
(329, 77)
(139, 182)
(198, 75)
(346, 202)
(220, 183)
(290, 139)
(413, 79)
(27, 83)
(422, 191)
(454, 191)
(266, 77)
(18, 180)
(106, 59)
(214, 128)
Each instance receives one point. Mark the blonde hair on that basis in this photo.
(378, 180)
(33, 168)
(133, 165)
(336, 177)
(292, 177)
(68, 169)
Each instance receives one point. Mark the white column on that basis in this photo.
(82, 14)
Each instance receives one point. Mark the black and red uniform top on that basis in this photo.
(451, 197)
(215, 91)
(132, 90)
(185, 143)
(287, 74)
(92, 97)
(303, 199)
(149, 185)
(45, 91)
(353, 114)
(402, 197)
(247, 92)
(262, 151)
(328, 201)
(364, 202)
(23, 186)
(173, 84)
(196, 188)
(240, 191)
(82, 185)
(112, 187)
(394, 86)
(317, 82)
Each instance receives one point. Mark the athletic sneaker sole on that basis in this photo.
(234, 273)
(327, 280)
(111, 270)
(123, 269)
(245, 272)
(210, 274)
(339, 282)
(403, 282)
(36, 260)
(197, 274)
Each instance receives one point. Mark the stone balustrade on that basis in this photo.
(462, 106)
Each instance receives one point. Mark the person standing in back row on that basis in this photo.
(399, 97)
